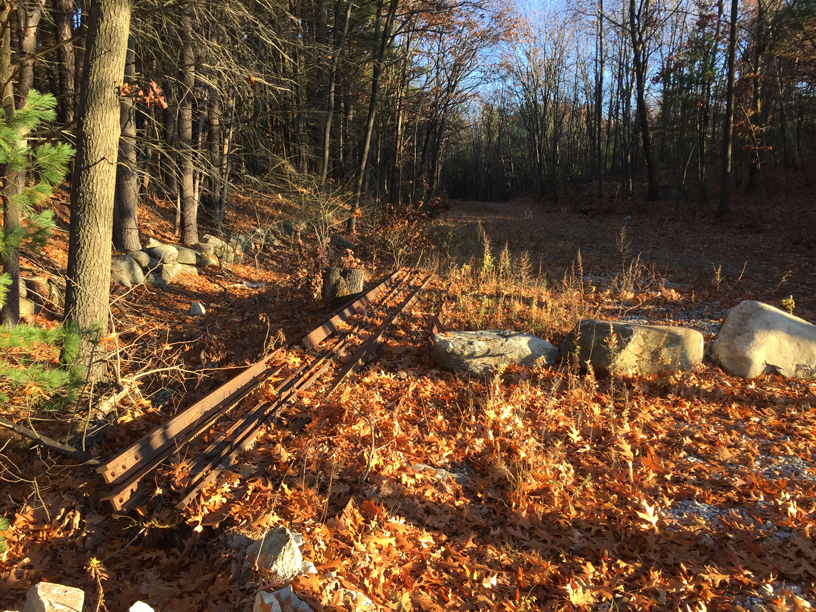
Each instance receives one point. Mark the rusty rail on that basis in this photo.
(127, 470)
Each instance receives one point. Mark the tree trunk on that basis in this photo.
(126, 204)
(636, 26)
(757, 122)
(189, 206)
(169, 165)
(63, 15)
(338, 47)
(599, 98)
(728, 124)
(11, 213)
(214, 149)
(94, 182)
(376, 83)
(14, 181)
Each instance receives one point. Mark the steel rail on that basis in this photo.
(215, 460)
(126, 470)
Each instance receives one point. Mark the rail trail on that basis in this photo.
(341, 345)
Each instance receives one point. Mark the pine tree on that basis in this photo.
(27, 353)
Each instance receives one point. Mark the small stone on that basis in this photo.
(460, 479)
(801, 602)
(276, 552)
(766, 590)
(23, 290)
(197, 309)
(50, 597)
(140, 606)
(627, 218)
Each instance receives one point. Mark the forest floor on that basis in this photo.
(691, 490)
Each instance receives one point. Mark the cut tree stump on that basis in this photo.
(341, 285)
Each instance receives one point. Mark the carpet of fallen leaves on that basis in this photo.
(685, 491)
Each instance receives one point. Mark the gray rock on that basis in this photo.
(151, 242)
(185, 255)
(460, 479)
(55, 294)
(197, 309)
(238, 541)
(340, 244)
(480, 351)
(286, 597)
(154, 265)
(169, 271)
(140, 257)
(23, 290)
(192, 270)
(154, 280)
(126, 266)
(165, 253)
(27, 307)
(240, 243)
(37, 285)
(266, 602)
(51, 597)
(140, 606)
(121, 280)
(756, 338)
(287, 228)
(276, 552)
(204, 260)
(628, 348)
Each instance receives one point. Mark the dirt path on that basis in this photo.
(753, 263)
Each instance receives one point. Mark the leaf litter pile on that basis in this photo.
(428, 490)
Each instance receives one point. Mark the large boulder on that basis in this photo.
(154, 280)
(140, 257)
(27, 307)
(185, 255)
(165, 253)
(478, 352)
(51, 597)
(630, 348)
(756, 338)
(169, 271)
(276, 552)
(127, 268)
(340, 244)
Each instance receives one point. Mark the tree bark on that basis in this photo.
(63, 14)
(126, 203)
(94, 181)
(728, 124)
(189, 206)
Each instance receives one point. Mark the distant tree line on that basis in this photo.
(627, 92)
